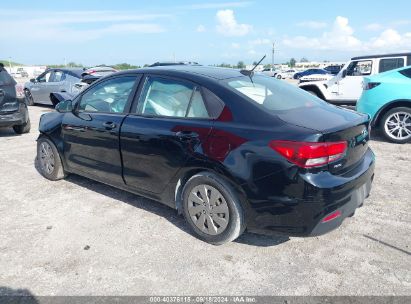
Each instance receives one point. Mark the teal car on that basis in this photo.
(386, 98)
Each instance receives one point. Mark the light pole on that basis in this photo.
(272, 57)
(10, 63)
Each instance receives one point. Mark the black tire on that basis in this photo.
(278, 76)
(57, 171)
(385, 126)
(235, 225)
(29, 98)
(22, 129)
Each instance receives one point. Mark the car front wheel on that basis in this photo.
(212, 209)
(48, 159)
(396, 125)
(279, 77)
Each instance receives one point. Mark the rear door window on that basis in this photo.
(387, 64)
(164, 97)
(406, 73)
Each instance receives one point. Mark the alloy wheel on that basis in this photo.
(398, 126)
(46, 158)
(208, 209)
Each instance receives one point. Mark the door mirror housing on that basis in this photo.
(344, 73)
(64, 106)
(33, 80)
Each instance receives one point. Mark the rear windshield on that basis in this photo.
(272, 94)
(5, 78)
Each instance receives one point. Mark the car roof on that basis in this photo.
(215, 73)
(381, 56)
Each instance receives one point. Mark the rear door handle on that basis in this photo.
(186, 134)
(109, 125)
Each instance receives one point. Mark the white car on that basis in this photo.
(285, 74)
(346, 87)
(269, 72)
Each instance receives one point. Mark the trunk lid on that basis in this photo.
(335, 124)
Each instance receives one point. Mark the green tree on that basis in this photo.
(304, 59)
(292, 62)
(125, 66)
(240, 65)
(224, 65)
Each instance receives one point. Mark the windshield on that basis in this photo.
(273, 94)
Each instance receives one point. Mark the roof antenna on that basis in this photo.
(250, 73)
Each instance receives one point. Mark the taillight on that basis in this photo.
(310, 154)
(92, 72)
(370, 85)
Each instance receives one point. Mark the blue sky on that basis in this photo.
(210, 32)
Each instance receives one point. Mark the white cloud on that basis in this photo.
(342, 38)
(260, 42)
(388, 38)
(228, 26)
(374, 27)
(312, 24)
(201, 28)
(235, 45)
(75, 25)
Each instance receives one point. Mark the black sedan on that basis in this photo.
(228, 149)
(13, 111)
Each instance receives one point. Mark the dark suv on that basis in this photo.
(13, 112)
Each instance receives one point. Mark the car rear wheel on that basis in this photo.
(29, 98)
(22, 129)
(49, 160)
(279, 77)
(396, 125)
(212, 209)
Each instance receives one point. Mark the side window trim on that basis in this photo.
(127, 107)
(136, 109)
(191, 101)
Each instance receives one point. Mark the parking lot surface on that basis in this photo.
(80, 237)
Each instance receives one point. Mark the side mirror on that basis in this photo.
(344, 73)
(64, 106)
(32, 80)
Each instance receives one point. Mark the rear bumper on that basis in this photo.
(356, 200)
(300, 205)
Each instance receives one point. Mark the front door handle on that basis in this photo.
(74, 128)
(109, 125)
